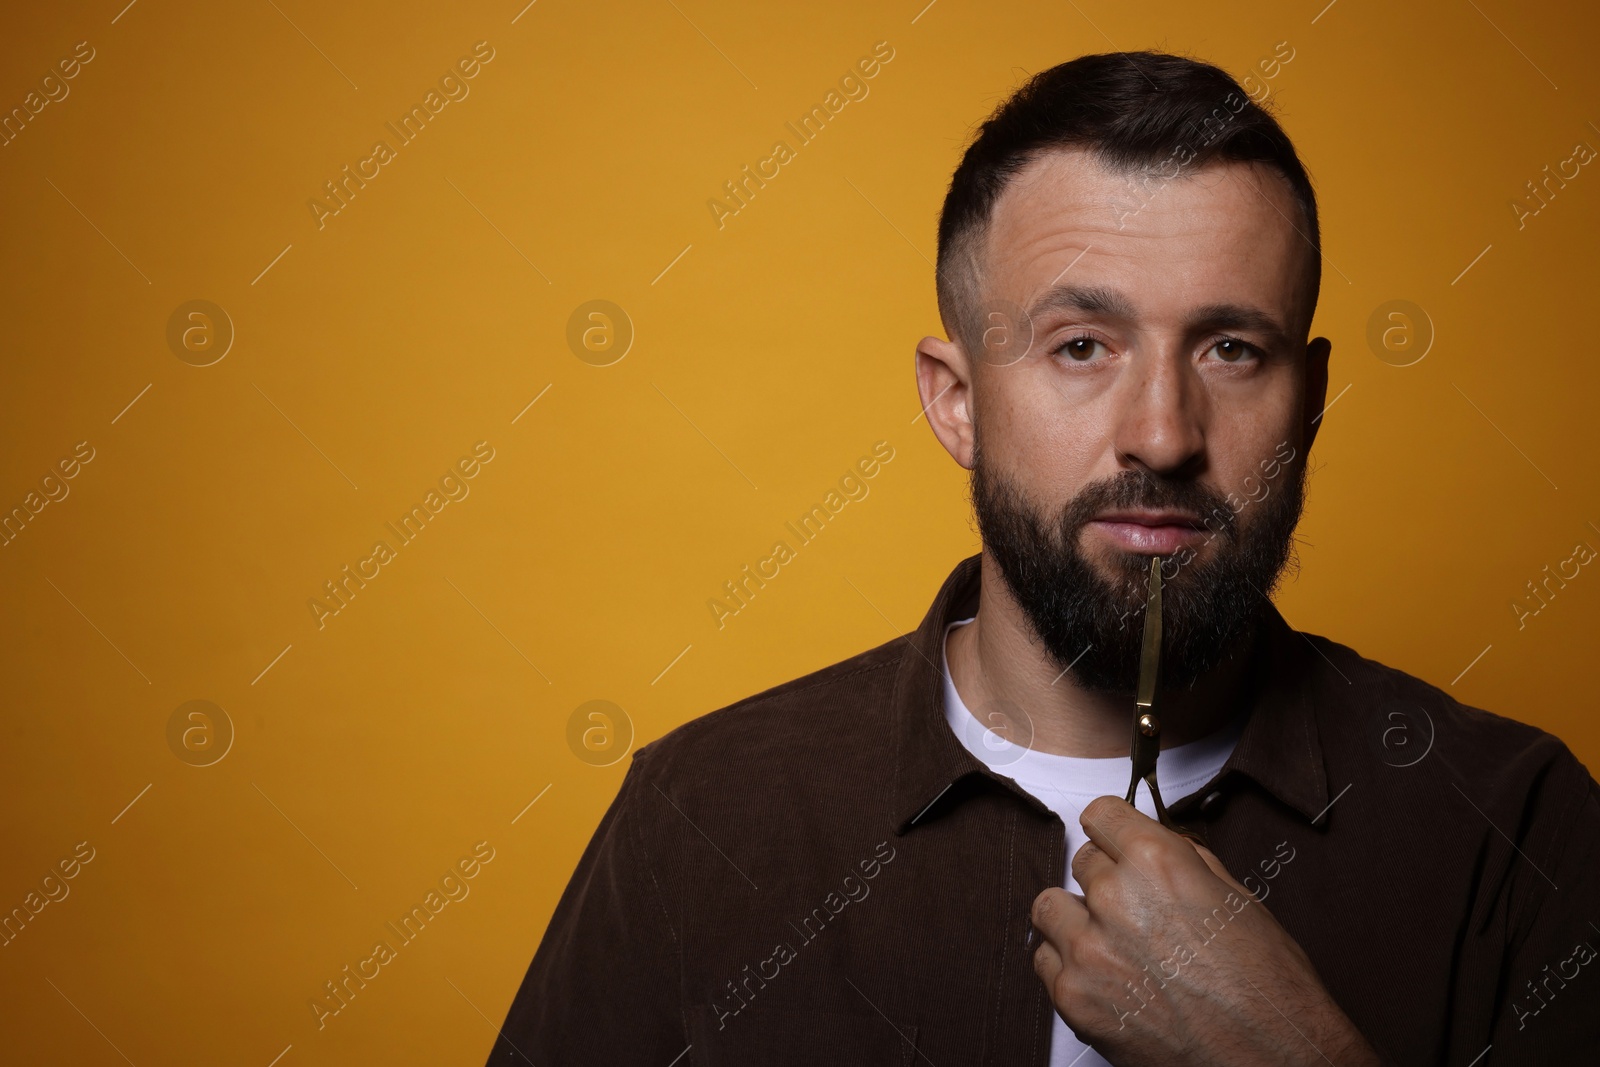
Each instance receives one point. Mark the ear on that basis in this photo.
(944, 382)
(1317, 352)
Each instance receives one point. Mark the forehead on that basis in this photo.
(1223, 233)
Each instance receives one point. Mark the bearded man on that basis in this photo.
(923, 854)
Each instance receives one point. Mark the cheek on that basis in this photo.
(1048, 440)
(1249, 426)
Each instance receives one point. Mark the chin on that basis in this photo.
(1112, 564)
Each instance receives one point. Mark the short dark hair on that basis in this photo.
(1131, 111)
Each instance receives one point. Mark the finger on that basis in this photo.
(1109, 821)
(1047, 963)
(1089, 864)
(1058, 916)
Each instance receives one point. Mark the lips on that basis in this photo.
(1149, 531)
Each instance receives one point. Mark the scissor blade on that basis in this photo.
(1150, 655)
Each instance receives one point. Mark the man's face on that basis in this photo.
(1141, 393)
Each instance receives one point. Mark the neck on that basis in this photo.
(995, 661)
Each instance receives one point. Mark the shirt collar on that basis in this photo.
(1279, 747)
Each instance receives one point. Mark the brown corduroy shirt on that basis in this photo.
(822, 874)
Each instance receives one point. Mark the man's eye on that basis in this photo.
(1080, 349)
(1231, 350)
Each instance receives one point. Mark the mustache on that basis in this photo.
(1141, 489)
(1082, 616)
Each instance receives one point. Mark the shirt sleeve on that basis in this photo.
(603, 987)
(1551, 983)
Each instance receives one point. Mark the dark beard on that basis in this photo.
(1095, 625)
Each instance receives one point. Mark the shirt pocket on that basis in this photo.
(775, 1038)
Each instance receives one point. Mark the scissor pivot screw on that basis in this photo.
(1148, 725)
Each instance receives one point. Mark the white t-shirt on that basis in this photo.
(1066, 784)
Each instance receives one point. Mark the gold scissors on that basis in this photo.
(1146, 725)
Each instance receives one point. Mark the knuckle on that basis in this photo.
(1114, 898)
(1101, 958)
(1100, 892)
(1041, 963)
(1081, 859)
(1099, 807)
(1067, 996)
(1146, 851)
(1044, 907)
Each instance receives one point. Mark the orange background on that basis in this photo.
(768, 355)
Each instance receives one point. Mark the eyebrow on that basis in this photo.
(1101, 300)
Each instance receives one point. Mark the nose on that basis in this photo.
(1159, 424)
